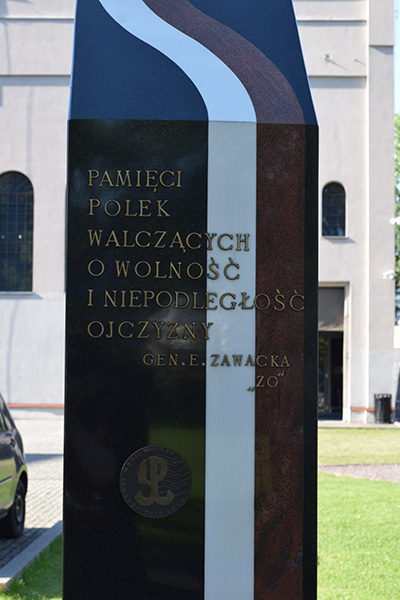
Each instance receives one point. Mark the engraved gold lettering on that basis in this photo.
(126, 243)
(93, 174)
(279, 300)
(210, 299)
(173, 360)
(232, 305)
(108, 298)
(210, 237)
(260, 381)
(176, 271)
(127, 208)
(285, 362)
(231, 264)
(174, 326)
(169, 298)
(219, 241)
(206, 327)
(95, 325)
(106, 179)
(147, 269)
(93, 203)
(96, 268)
(272, 381)
(260, 299)
(141, 332)
(123, 294)
(273, 360)
(122, 266)
(90, 301)
(160, 239)
(157, 273)
(124, 181)
(160, 360)
(241, 241)
(148, 295)
(186, 300)
(130, 335)
(225, 361)
(133, 298)
(138, 243)
(249, 362)
(162, 179)
(112, 239)
(191, 332)
(193, 360)
(188, 241)
(150, 178)
(190, 269)
(243, 301)
(144, 208)
(214, 362)
(237, 360)
(299, 304)
(161, 212)
(148, 359)
(195, 294)
(213, 268)
(158, 327)
(260, 358)
(177, 240)
(95, 236)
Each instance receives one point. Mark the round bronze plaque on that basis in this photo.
(155, 482)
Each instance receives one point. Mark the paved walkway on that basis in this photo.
(43, 444)
(386, 472)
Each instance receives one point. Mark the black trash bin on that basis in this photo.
(382, 408)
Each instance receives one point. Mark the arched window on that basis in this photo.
(16, 232)
(334, 210)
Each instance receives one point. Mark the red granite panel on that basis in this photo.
(280, 331)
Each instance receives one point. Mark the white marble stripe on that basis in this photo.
(225, 96)
(230, 407)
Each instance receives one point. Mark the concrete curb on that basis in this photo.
(15, 567)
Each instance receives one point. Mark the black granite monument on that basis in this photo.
(190, 440)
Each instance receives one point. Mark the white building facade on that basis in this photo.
(348, 48)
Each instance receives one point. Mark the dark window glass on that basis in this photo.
(16, 232)
(334, 210)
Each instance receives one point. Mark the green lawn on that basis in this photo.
(358, 446)
(42, 580)
(358, 524)
(358, 539)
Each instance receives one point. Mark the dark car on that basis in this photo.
(13, 476)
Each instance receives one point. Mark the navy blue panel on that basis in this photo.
(115, 75)
(271, 26)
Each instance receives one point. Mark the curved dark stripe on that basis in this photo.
(273, 98)
(117, 76)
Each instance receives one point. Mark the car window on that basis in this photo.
(3, 426)
(7, 417)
